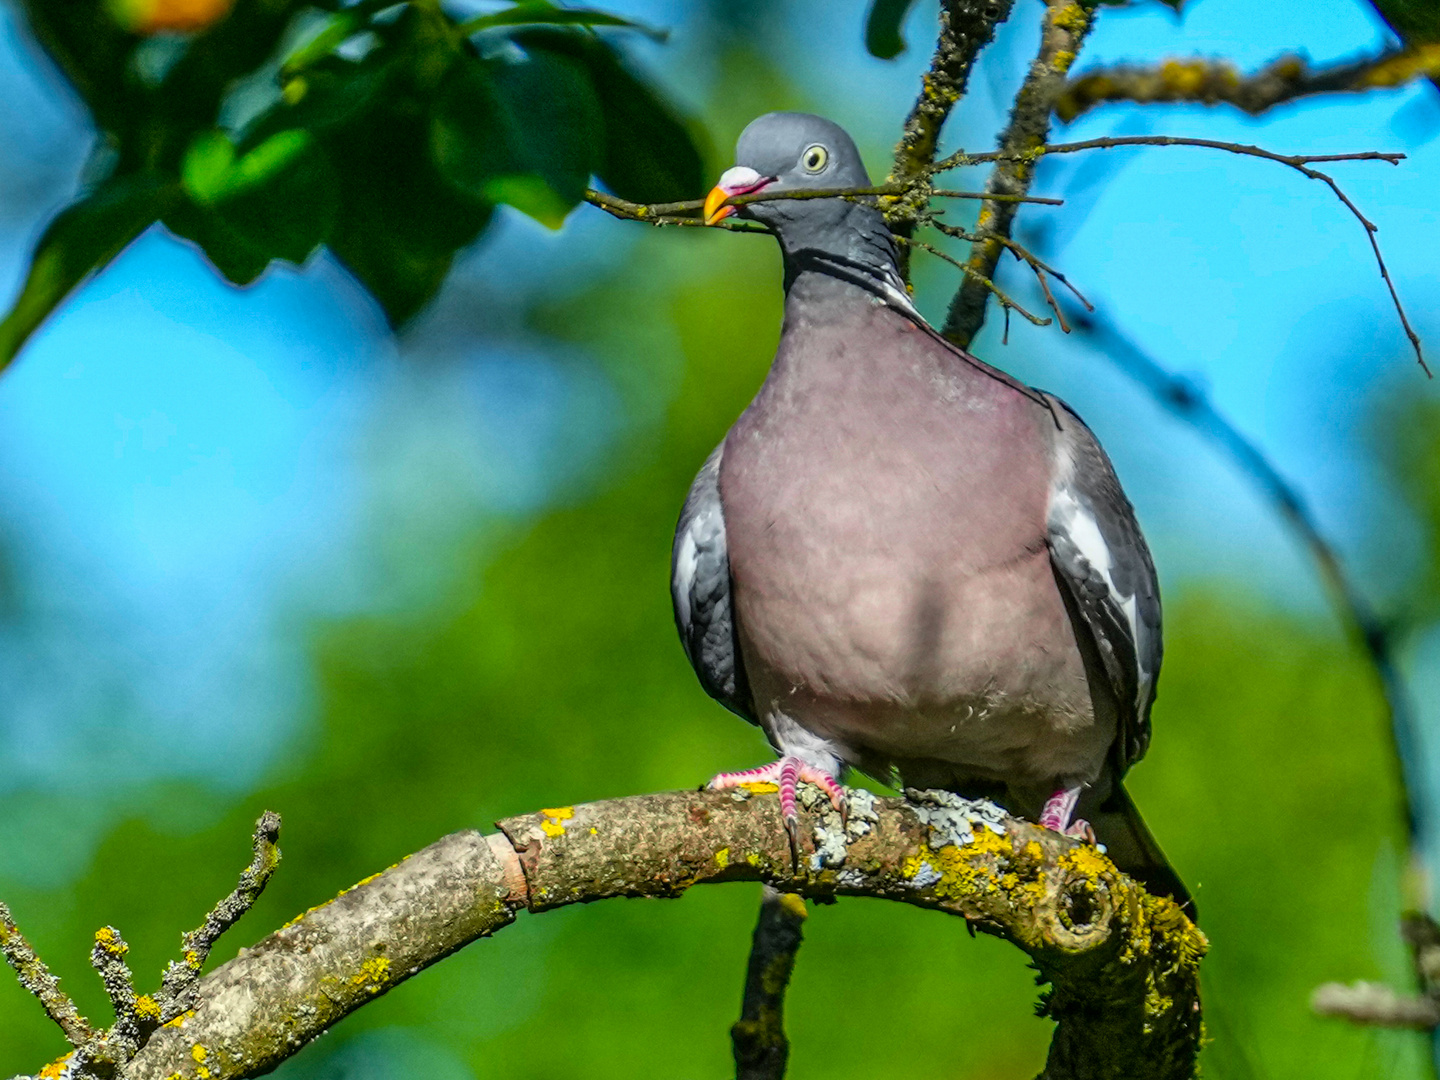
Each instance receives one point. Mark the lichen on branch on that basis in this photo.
(1215, 82)
(1122, 965)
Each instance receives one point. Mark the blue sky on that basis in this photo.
(189, 471)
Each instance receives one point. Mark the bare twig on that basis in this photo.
(105, 1054)
(1063, 30)
(181, 975)
(686, 213)
(1212, 82)
(1375, 1004)
(1039, 266)
(761, 1049)
(1008, 302)
(35, 977)
(966, 27)
(969, 316)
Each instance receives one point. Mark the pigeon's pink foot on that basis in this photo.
(786, 773)
(1057, 814)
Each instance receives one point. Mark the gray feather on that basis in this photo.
(1100, 555)
(700, 590)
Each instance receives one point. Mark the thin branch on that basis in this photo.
(968, 316)
(35, 977)
(966, 27)
(1375, 1004)
(1008, 302)
(1191, 404)
(1042, 270)
(687, 213)
(105, 1054)
(177, 986)
(1123, 965)
(1062, 32)
(1213, 82)
(761, 1048)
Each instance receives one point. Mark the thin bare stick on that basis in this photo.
(1301, 163)
(1006, 300)
(39, 980)
(686, 213)
(181, 976)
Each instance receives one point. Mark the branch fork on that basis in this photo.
(105, 1054)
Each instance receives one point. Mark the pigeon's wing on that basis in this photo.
(1101, 558)
(700, 589)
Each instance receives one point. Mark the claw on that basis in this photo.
(787, 774)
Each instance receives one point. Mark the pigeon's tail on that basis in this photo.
(1119, 826)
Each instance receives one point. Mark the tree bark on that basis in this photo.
(1123, 964)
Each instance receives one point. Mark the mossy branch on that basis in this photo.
(106, 1054)
(966, 27)
(1123, 965)
(1219, 82)
(1062, 32)
(761, 1048)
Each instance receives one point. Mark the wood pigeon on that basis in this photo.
(903, 560)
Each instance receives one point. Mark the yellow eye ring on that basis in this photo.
(814, 158)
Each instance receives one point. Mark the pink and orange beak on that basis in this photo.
(737, 181)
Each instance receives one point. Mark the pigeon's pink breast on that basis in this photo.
(885, 507)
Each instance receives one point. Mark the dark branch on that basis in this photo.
(966, 27)
(1062, 32)
(761, 1049)
(35, 977)
(1301, 163)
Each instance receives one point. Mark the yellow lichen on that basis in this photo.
(793, 904)
(198, 1052)
(107, 939)
(760, 787)
(148, 1007)
(179, 1021)
(56, 1068)
(375, 971)
(722, 858)
(551, 825)
(1085, 860)
(1072, 17)
(192, 959)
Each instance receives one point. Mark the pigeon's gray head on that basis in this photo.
(786, 151)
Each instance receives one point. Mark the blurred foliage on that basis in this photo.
(551, 674)
(387, 131)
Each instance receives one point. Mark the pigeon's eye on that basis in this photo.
(814, 158)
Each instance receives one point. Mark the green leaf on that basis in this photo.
(278, 200)
(882, 28)
(506, 131)
(82, 238)
(538, 12)
(649, 152)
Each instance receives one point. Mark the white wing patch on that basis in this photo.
(1071, 517)
(685, 565)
